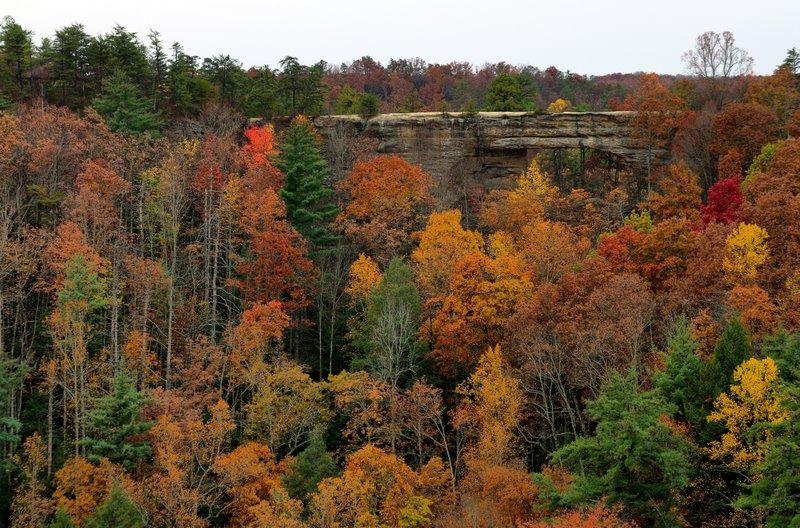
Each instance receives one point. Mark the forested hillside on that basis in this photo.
(209, 324)
(72, 68)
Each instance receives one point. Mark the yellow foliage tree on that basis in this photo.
(442, 242)
(363, 277)
(509, 210)
(754, 399)
(493, 407)
(496, 490)
(376, 489)
(251, 477)
(559, 105)
(678, 195)
(30, 507)
(745, 250)
(286, 406)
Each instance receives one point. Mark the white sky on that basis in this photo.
(584, 36)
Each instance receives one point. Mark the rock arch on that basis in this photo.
(491, 145)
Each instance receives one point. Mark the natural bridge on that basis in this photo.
(489, 145)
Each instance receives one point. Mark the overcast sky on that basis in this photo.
(585, 36)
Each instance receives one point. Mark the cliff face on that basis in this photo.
(488, 146)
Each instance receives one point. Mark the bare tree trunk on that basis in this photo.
(76, 426)
(170, 312)
(2, 334)
(143, 352)
(83, 408)
(214, 279)
(50, 390)
(115, 313)
(207, 254)
(171, 298)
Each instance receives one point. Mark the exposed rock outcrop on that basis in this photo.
(489, 146)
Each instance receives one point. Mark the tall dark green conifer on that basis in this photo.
(115, 420)
(61, 519)
(125, 110)
(312, 465)
(12, 377)
(633, 459)
(116, 511)
(679, 381)
(732, 349)
(305, 193)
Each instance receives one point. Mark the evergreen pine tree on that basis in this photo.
(61, 519)
(679, 381)
(634, 458)
(792, 61)
(731, 350)
(116, 511)
(505, 94)
(12, 376)
(307, 197)
(312, 465)
(115, 419)
(125, 110)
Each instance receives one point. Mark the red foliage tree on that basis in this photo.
(724, 204)
(745, 127)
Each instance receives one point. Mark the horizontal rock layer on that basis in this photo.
(489, 145)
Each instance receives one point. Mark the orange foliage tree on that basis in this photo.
(250, 477)
(597, 516)
(378, 489)
(388, 198)
(442, 242)
(482, 297)
(275, 265)
(770, 202)
(678, 195)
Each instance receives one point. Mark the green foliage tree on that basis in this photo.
(84, 291)
(679, 381)
(125, 110)
(187, 89)
(393, 308)
(158, 67)
(305, 193)
(15, 56)
(301, 88)
(368, 104)
(69, 59)
(124, 53)
(260, 98)
(792, 61)
(352, 102)
(114, 422)
(634, 458)
(347, 101)
(12, 376)
(61, 519)
(312, 465)
(505, 95)
(116, 511)
(227, 75)
(732, 348)
(776, 490)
